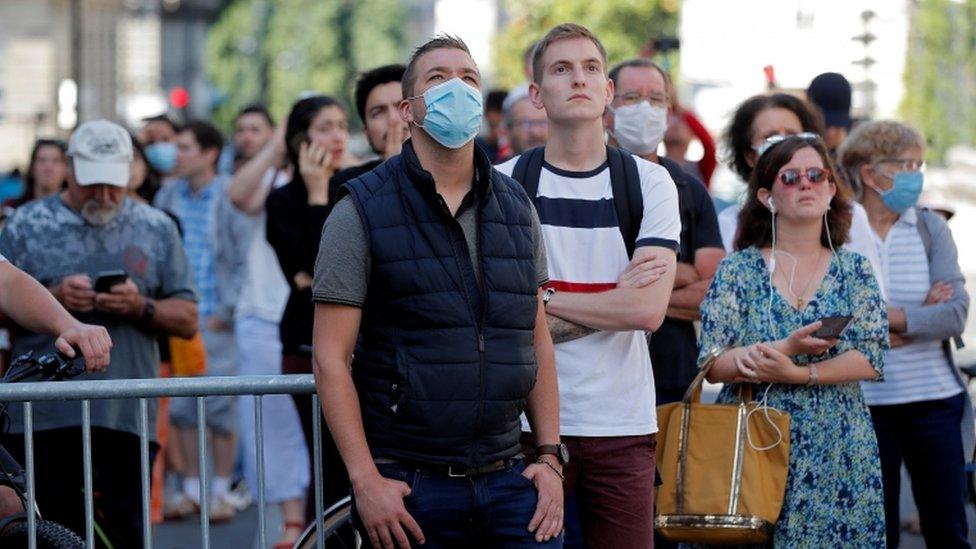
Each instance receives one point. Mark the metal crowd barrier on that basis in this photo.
(142, 389)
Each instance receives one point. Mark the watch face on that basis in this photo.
(563, 454)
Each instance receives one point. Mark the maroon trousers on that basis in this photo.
(613, 479)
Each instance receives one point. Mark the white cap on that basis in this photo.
(101, 153)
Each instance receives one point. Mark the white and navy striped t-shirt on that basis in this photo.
(917, 371)
(606, 386)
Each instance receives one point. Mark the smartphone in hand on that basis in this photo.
(107, 279)
(833, 327)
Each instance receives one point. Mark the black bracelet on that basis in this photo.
(549, 465)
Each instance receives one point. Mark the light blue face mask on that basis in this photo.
(162, 156)
(454, 113)
(904, 192)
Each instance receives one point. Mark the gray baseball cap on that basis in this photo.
(101, 153)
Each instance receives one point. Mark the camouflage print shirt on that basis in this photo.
(50, 241)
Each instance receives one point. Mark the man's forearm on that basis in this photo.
(677, 313)
(562, 331)
(246, 191)
(175, 316)
(690, 296)
(542, 406)
(340, 404)
(30, 304)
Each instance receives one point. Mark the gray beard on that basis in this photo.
(95, 213)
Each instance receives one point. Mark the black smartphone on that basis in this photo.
(107, 279)
(832, 327)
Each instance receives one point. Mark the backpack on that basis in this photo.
(628, 198)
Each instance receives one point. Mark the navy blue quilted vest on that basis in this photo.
(442, 366)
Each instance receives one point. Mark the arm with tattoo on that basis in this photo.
(564, 330)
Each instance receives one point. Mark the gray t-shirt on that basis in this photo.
(50, 241)
(343, 264)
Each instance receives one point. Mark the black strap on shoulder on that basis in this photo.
(528, 169)
(628, 198)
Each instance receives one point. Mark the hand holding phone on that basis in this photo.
(832, 327)
(107, 279)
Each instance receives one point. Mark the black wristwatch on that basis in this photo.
(559, 450)
(148, 312)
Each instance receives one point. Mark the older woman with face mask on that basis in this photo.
(920, 406)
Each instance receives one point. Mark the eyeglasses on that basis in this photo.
(774, 140)
(906, 165)
(655, 99)
(792, 176)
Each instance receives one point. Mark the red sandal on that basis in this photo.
(290, 525)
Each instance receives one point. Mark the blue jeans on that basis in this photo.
(927, 436)
(491, 510)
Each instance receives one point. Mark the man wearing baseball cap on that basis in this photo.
(831, 93)
(114, 262)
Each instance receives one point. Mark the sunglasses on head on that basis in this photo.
(774, 140)
(792, 176)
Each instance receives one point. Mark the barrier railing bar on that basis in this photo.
(317, 453)
(154, 388)
(146, 473)
(259, 436)
(86, 452)
(204, 490)
(29, 455)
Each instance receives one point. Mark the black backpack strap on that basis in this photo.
(527, 170)
(628, 198)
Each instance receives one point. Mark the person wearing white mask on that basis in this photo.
(636, 120)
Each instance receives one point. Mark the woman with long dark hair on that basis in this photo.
(316, 137)
(760, 314)
(46, 171)
(761, 117)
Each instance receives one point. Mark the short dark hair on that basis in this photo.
(206, 135)
(164, 119)
(641, 62)
(256, 108)
(495, 100)
(440, 41)
(755, 221)
(372, 78)
(738, 136)
(565, 31)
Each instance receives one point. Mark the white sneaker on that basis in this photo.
(239, 497)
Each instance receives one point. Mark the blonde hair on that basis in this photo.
(565, 31)
(871, 142)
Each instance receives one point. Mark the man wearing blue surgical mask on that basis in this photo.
(158, 136)
(430, 338)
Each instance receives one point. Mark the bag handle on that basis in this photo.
(693, 394)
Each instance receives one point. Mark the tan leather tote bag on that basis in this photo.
(723, 467)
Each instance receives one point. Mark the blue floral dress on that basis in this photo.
(834, 496)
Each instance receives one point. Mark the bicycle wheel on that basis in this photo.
(50, 535)
(337, 529)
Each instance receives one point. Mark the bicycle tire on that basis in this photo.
(336, 521)
(50, 535)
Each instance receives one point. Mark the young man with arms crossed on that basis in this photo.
(433, 261)
(599, 301)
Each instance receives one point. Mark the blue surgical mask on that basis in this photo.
(162, 156)
(454, 113)
(904, 192)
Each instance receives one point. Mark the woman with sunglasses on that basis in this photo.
(762, 117)
(922, 414)
(761, 313)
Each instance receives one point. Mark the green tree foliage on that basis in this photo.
(940, 74)
(624, 27)
(275, 50)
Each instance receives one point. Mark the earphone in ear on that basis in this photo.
(771, 204)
